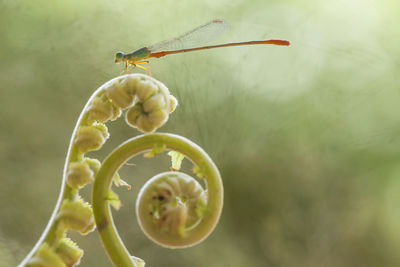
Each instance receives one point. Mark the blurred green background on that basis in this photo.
(306, 137)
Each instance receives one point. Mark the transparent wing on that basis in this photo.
(200, 35)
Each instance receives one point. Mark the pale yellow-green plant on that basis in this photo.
(174, 209)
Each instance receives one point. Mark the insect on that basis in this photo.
(187, 42)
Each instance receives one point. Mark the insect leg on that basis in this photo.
(145, 68)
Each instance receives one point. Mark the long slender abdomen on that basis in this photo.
(269, 42)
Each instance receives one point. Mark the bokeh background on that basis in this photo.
(306, 137)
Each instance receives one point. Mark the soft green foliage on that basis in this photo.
(306, 138)
(176, 159)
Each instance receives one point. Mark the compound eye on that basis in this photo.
(119, 56)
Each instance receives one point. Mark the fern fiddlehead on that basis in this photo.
(173, 209)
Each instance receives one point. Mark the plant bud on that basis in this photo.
(77, 216)
(89, 138)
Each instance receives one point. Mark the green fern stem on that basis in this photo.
(105, 226)
(184, 212)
